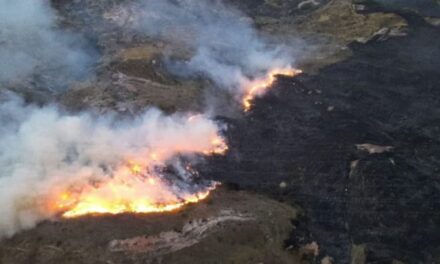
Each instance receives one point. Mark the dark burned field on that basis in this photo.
(306, 131)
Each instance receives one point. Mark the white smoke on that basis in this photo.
(227, 48)
(31, 44)
(42, 150)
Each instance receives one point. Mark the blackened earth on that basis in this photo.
(304, 133)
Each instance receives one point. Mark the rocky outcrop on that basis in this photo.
(192, 233)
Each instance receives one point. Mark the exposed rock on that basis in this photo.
(171, 241)
(384, 34)
(433, 21)
(327, 260)
(311, 249)
(283, 185)
(358, 254)
(374, 149)
(308, 4)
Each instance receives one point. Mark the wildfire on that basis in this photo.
(134, 189)
(140, 185)
(220, 147)
(119, 200)
(259, 86)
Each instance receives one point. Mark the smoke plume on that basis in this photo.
(227, 49)
(42, 150)
(31, 44)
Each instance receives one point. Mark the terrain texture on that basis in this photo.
(338, 165)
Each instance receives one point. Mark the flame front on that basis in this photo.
(134, 189)
(117, 197)
(136, 183)
(139, 184)
(259, 86)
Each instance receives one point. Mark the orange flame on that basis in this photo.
(133, 189)
(220, 147)
(97, 202)
(259, 86)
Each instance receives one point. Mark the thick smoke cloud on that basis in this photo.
(227, 49)
(42, 151)
(31, 44)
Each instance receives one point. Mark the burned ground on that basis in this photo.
(304, 135)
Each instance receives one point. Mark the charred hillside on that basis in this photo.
(356, 146)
